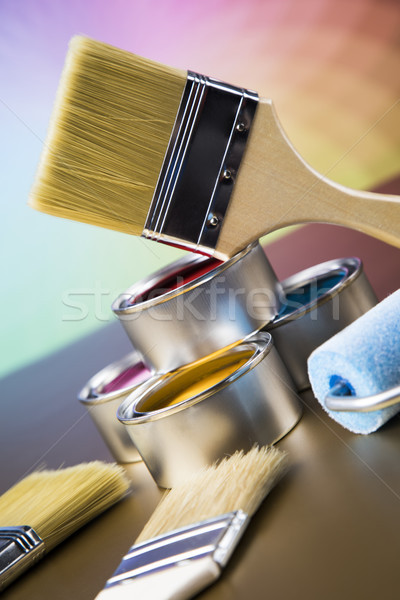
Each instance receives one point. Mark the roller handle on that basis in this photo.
(340, 400)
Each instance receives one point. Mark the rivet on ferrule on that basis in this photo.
(212, 220)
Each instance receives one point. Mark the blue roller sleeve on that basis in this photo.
(365, 357)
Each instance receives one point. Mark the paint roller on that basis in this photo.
(355, 374)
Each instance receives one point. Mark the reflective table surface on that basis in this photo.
(329, 530)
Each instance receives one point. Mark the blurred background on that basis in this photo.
(331, 66)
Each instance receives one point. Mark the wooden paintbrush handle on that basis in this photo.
(276, 188)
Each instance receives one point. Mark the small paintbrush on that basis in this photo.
(183, 159)
(195, 528)
(47, 506)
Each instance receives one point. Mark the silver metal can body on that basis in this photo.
(320, 302)
(174, 327)
(102, 396)
(256, 404)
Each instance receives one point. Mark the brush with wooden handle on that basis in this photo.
(183, 159)
(47, 506)
(195, 528)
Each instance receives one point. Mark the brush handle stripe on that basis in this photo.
(198, 552)
(201, 162)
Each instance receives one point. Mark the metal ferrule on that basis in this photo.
(201, 164)
(172, 321)
(20, 547)
(182, 421)
(340, 399)
(320, 302)
(178, 564)
(102, 395)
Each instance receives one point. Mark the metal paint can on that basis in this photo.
(102, 396)
(319, 302)
(199, 305)
(195, 415)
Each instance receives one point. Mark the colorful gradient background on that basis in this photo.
(331, 66)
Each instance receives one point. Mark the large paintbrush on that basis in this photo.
(183, 159)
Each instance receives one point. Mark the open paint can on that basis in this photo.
(102, 396)
(319, 302)
(193, 416)
(199, 305)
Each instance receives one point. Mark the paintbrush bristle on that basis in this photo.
(108, 135)
(239, 482)
(55, 503)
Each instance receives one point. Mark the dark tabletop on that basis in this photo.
(330, 529)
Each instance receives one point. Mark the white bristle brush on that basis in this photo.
(195, 528)
(47, 506)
